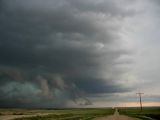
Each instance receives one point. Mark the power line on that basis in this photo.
(140, 99)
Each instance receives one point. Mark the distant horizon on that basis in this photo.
(78, 107)
(83, 107)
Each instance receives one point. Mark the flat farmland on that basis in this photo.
(148, 113)
(54, 114)
(134, 113)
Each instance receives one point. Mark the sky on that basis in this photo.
(79, 53)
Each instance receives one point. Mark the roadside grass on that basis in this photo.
(71, 114)
(148, 113)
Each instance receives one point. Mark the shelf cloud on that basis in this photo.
(56, 52)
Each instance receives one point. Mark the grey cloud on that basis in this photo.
(60, 48)
(107, 7)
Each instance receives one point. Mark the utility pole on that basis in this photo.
(140, 100)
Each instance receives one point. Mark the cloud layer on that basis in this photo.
(58, 52)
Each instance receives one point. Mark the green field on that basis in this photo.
(60, 114)
(148, 113)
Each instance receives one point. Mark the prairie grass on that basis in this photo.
(69, 114)
(148, 113)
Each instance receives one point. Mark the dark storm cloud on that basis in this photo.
(59, 49)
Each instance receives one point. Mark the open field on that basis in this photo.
(50, 114)
(148, 113)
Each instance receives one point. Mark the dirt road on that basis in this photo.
(116, 116)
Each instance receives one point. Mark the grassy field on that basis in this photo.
(61, 114)
(148, 113)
